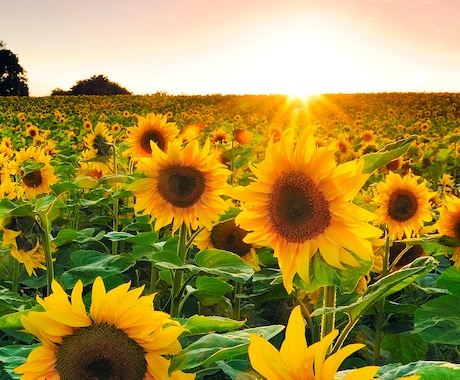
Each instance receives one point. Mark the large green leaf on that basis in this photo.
(210, 289)
(200, 324)
(405, 348)
(224, 263)
(90, 264)
(381, 289)
(428, 370)
(450, 280)
(215, 347)
(438, 320)
(388, 153)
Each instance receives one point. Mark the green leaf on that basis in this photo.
(438, 320)
(238, 370)
(450, 280)
(14, 356)
(322, 274)
(200, 324)
(91, 264)
(210, 289)
(85, 235)
(389, 284)
(44, 203)
(224, 263)
(388, 153)
(429, 370)
(215, 347)
(405, 348)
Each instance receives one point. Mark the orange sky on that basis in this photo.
(237, 46)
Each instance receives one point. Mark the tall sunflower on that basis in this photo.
(297, 361)
(403, 205)
(35, 172)
(449, 222)
(227, 236)
(154, 128)
(300, 204)
(123, 337)
(182, 186)
(21, 234)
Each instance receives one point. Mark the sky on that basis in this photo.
(199, 47)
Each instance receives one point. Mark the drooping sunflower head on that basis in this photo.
(35, 172)
(123, 337)
(152, 129)
(100, 141)
(227, 236)
(403, 205)
(182, 185)
(21, 234)
(301, 204)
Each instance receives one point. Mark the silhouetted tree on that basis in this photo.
(97, 85)
(13, 80)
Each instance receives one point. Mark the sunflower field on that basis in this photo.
(230, 237)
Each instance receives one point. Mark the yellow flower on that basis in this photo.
(150, 129)
(123, 337)
(182, 186)
(449, 222)
(227, 236)
(36, 173)
(300, 204)
(403, 205)
(297, 361)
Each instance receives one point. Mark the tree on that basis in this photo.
(97, 85)
(13, 80)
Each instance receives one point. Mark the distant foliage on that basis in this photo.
(96, 85)
(13, 80)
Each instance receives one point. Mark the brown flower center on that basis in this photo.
(229, 237)
(457, 229)
(100, 352)
(181, 186)
(154, 136)
(33, 179)
(402, 205)
(298, 210)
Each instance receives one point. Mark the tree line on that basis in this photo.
(13, 80)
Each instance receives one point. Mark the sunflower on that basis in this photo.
(32, 131)
(35, 172)
(123, 337)
(99, 141)
(184, 185)
(449, 222)
(21, 235)
(227, 236)
(153, 128)
(403, 205)
(297, 361)
(7, 186)
(300, 204)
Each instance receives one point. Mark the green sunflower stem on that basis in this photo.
(329, 300)
(46, 232)
(116, 221)
(237, 301)
(16, 274)
(177, 278)
(380, 306)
